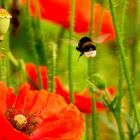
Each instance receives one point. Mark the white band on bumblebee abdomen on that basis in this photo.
(90, 54)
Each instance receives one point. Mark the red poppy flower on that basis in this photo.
(58, 11)
(37, 115)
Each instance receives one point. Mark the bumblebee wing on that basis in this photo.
(70, 42)
(101, 39)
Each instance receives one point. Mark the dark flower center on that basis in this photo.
(21, 122)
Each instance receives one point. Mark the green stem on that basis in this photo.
(31, 42)
(107, 95)
(91, 19)
(22, 71)
(124, 63)
(90, 72)
(59, 41)
(3, 68)
(72, 9)
(123, 13)
(117, 116)
(120, 80)
(7, 60)
(87, 127)
(52, 66)
(20, 65)
(93, 115)
(134, 56)
(12, 59)
(136, 41)
(40, 48)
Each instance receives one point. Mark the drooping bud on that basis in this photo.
(99, 81)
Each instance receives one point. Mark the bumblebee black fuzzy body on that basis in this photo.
(86, 47)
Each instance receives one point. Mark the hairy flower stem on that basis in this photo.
(3, 73)
(87, 127)
(13, 59)
(72, 9)
(52, 65)
(22, 71)
(124, 63)
(59, 41)
(7, 60)
(31, 43)
(120, 80)
(117, 115)
(40, 49)
(136, 27)
(20, 65)
(123, 17)
(90, 72)
(94, 124)
(120, 70)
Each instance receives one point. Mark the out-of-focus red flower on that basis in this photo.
(37, 115)
(82, 100)
(58, 11)
(32, 73)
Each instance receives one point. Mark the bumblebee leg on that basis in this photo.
(80, 55)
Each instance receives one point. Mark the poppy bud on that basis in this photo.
(99, 81)
(4, 22)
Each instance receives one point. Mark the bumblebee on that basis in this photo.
(86, 47)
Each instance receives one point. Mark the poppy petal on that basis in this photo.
(32, 73)
(20, 100)
(107, 25)
(83, 103)
(59, 89)
(4, 101)
(47, 104)
(65, 125)
(30, 98)
(44, 76)
(55, 102)
(10, 100)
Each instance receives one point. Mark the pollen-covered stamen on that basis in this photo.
(21, 122)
